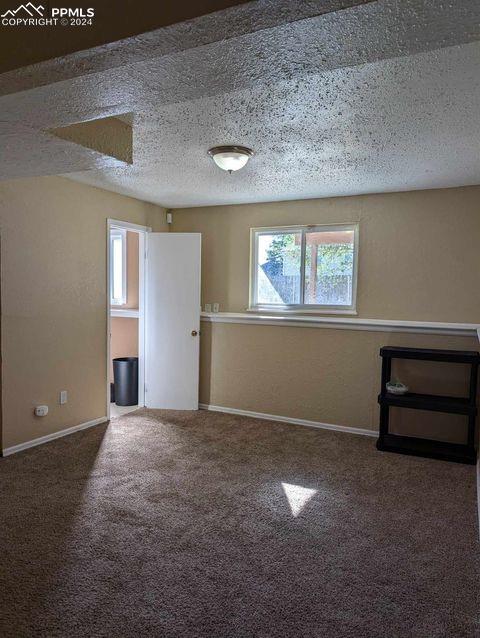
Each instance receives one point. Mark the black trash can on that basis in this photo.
(125, 377)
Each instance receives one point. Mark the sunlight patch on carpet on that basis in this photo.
(297, 497)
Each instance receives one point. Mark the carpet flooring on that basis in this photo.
(203, 524)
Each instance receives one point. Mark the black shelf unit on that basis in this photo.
(460, 453)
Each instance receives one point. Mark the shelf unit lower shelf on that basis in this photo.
(466, 406)
(427, 448)
(431, 402)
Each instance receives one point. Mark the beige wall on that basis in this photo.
(330, 376)
(419, 259)
(53, 237)
(418, 256)
(124, 339)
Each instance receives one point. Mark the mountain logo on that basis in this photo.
(25, 10)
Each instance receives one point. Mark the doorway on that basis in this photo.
(125, 314)
(163, 338)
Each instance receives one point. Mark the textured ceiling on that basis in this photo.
(372, 98)
(23, 45)
(219, 27)
(403, 124)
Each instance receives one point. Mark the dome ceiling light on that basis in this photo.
(230, 158)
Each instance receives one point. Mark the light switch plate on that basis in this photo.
(63, 397)
(208, 307)
(216, 307)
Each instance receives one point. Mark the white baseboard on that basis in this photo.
(288, 419)
(51, 437)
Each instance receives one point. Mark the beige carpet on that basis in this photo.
(208, 525)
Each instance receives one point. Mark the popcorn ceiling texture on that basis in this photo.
(221, 25)
(376, 97)
(397, 125)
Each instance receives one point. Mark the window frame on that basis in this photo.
(116, 233)
(301, 308)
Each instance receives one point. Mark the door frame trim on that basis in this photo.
(142, 232)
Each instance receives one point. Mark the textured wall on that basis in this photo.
(418, 260)
(54, 321)
(418, 255)
(124, 339)
(109, 135)
(331, 376)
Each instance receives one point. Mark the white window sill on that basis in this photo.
(124, 312)
(303, 311)
(344, 323)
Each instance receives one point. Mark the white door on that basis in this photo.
(172, 320)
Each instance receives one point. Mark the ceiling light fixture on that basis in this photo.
(230, 158)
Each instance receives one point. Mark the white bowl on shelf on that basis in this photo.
(396, 387)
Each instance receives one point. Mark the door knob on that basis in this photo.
(194, 333)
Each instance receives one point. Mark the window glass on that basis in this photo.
(118, 284)
(329, 260)
(304, 267)
(279, 268)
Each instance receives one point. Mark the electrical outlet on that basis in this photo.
(41, 410)
(63, 397)
(216, 307)
(208, 307)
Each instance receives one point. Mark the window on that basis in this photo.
(118, 267)
(304, 268)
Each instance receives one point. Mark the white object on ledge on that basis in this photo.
(395, 387)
